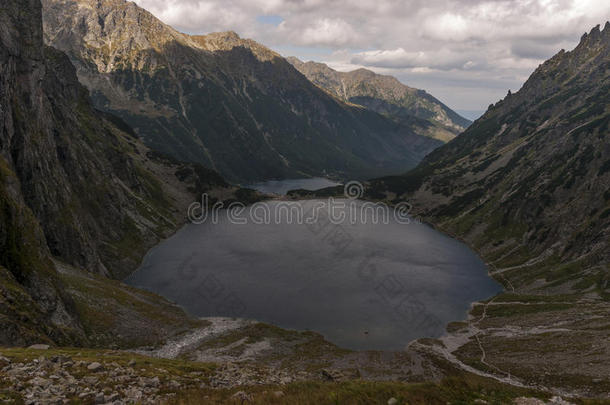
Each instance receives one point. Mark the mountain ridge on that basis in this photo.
(388, 96)
(547, 105)
(222, 101)
(528, 186)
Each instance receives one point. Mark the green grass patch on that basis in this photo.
(460, 390)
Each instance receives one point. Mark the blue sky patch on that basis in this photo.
(270, 19)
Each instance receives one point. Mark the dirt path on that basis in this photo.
(451, 342)
(192, 340)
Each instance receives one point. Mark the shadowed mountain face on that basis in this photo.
(230, 104)
(386, 95)
(77, 188)
(529, 182)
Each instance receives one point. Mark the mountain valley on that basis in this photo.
(112, 124)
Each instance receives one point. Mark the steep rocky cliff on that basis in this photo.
(411, 107)
(228, 103)
(528, 183)
(76, 188)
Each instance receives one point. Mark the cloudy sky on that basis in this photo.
(468, 53)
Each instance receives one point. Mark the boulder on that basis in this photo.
(528, 401)
(332, 375)
(242, 396)
(95, 367)
(133, 394)
(100, 398)
(39, 347)
(39, 382)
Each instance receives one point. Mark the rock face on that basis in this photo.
(227, 103)
(76, 186)
(24, 255)
(386, 95)
(528, 183)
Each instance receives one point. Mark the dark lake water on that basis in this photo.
(283, 186)
(369, 281)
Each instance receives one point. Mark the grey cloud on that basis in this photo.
(479, 40)
(537, 49)
(442, 59)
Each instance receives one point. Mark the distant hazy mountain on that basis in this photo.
(230, 104)
(472, 115)
(529, 182)
(387, 96)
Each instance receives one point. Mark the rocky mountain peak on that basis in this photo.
(225, 102)
(541, 157)
(225, 35)
(596, 35)
(226, 41)
(567, 69)
(528, 186)
(388, 96)
(365, 73)
(114, 31)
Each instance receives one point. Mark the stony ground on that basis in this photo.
(57, 377)
(41, 375)
(225, 362)
(282, 356)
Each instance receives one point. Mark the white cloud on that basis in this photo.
(448, 27)
(324, 31)
(443, 59)
(442, 44)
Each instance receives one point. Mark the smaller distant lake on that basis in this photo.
(281, 187)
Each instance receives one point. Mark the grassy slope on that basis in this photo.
(116, 315)
(526, 187)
